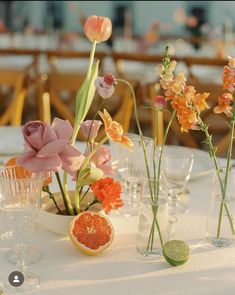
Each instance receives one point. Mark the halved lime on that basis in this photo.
(176, 252)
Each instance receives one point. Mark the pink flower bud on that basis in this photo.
(160, 102)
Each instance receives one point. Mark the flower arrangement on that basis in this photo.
(187, 106)
(50, 148)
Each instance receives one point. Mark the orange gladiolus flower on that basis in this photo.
(114, 130)
(199, 101)
(225, 102)
(22, 172)
(98, 28)
(108, 191)
(229, 79)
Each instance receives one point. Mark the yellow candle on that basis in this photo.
(46, 107)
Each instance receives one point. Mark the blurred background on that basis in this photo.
(44, 56)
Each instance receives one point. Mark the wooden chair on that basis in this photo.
(12, 114)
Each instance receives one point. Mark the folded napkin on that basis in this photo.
(11, 141)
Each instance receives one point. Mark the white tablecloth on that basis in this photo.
(121, 270)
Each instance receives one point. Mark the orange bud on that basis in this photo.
(98, 28)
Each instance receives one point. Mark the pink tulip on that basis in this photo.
(102, 159)
(48, 148)
(90, 128)
(98, 28)
(105, 85)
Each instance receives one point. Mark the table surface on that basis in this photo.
(121, 270)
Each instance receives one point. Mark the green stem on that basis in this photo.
(154, 149)
(91, 60)
(158, 181)
(144, 149)
(85, 163)
(212, 150)
(223, 203)
(69, 209)
(47, 190)
(140, 132)
(162, 148)
(94, 202)
(82, 198)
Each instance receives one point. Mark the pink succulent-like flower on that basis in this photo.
(102, 160)
(90, 128)
(160, 102)
(48, 148)
(105, 85)
(98, 28)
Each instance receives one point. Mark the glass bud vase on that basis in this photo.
(220, 228)
(153, 221)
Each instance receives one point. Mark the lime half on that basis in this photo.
(176, 252)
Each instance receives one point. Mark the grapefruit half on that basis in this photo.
(91, 232)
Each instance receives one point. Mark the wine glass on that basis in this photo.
(177, 163)
(132, 170)
(20, 197)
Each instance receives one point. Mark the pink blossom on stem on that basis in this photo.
(90, 128)
(48, 148)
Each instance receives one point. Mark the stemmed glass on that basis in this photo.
(177, 163)
(20, 197)
(132, 170)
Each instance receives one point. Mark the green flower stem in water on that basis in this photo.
(67, 203)
(145, 157)
(158, 182)
(212, 151)
(140, 131)
(223, 203)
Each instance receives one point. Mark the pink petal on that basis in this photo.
(34, 140)
(48, 135)
(52, 148)
(71, 159)
(106, 169)
(63, 128)
(28, 154)
(35, 164)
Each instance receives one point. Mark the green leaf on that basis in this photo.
(85, 96)
(83, 172)
(92, 176)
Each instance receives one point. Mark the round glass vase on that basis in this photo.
(153, 221)
(220, 228)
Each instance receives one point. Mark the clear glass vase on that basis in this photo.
(153, 221)
(220, 228)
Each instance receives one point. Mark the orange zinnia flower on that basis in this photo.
(229, 79)
(108, 192)
(114, 130)
(225, 102)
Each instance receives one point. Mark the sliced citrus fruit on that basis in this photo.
(176, 252)
(91, 232)
(20, 171)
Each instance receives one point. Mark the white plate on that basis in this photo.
(202, 165)
(11, 141)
